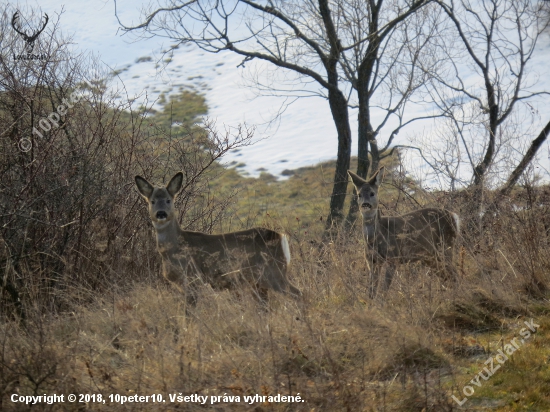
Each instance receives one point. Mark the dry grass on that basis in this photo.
(409, 350)
(83, 309)
(117, 328)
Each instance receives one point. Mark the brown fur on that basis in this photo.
(426, 235)
(258, 256)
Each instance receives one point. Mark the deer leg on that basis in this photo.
(390, 272)
(261, 296)
(191, 298)
(294, 292)
(450, 268)
(275, 278)
(376, 268)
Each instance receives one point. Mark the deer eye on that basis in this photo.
(152, 202)
(168, 201)
(372, 194)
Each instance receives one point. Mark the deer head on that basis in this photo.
(160, 200)
(367, 192)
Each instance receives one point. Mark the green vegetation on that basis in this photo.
(467, 331)
(179, 110)
(101, 320)
(144, 59)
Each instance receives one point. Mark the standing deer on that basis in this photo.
(426, 235)
(257, 256)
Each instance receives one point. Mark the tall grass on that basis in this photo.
(83, 308)
(407, 350)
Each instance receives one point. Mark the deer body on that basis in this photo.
(257, 256)
(426, 235)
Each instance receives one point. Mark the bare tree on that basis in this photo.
(478, 80)
(527, 158)
(359, 54)
(387, 42)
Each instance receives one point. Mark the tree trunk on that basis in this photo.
(475, 211)
(366, 135)
(527, 158)
(520, 168)
(339, 109)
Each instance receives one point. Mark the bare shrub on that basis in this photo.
(70, 221)
(339, 349)
(78, 264)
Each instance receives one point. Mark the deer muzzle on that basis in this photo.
(161, 215)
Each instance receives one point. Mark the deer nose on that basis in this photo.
(366, 205)
(161, 214)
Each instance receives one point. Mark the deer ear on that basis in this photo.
(356, 179)
(144, 187)
(175, 184)
(376, 180)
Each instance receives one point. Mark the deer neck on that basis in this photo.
(167, 235)
(370, 225)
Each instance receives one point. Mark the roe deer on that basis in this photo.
(426, 235)
(257, 256)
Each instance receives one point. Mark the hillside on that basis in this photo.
(85, 310)
(409, 350)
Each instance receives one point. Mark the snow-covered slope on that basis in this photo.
(303, 135)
